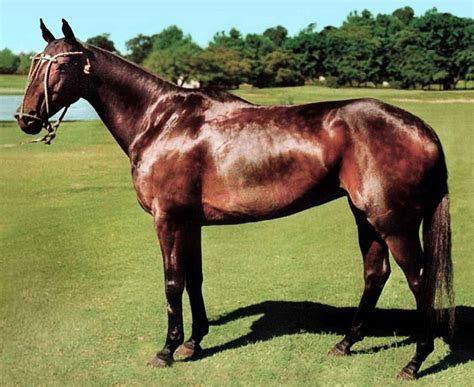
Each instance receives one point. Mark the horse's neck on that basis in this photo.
(124, 95)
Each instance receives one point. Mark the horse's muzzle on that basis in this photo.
(27, 124)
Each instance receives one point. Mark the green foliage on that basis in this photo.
(233, 40)
(277, 35)
(171, 54)
(8, 61)
(222, 67)
(103, 41)
(465, 62)
(445, 35)
(279, 68)
(255, 49)
(412, 63)
(354, 50)
(139, 48)
(419, 67)
(405, 15)
(178, 64)
(308, 48)
(24, 62)
(169, 38)
(257, 46)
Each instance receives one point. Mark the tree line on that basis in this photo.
(401, 49)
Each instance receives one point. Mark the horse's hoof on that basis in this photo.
(160, 362)
(188, 350)
(339, 350)
(407, 373)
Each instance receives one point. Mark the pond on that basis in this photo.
(81, 110)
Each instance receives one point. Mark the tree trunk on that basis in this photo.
(447, 85)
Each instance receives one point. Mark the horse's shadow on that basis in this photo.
(281, 318)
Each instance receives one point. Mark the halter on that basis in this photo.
(34, 69)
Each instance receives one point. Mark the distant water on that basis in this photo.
(81, 110)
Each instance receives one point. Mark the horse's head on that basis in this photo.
(57, 79)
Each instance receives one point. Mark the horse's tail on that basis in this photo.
(437, 247)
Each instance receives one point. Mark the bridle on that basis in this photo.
(36, 63)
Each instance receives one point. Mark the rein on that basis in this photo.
(34, 69)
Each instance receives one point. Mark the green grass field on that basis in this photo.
(12, 84)
(81, 280)
(15, 85)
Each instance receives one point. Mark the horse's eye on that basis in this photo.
(63, 67)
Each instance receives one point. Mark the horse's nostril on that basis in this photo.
(28, 117)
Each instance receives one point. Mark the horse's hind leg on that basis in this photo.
(407, 252)
(376, 272)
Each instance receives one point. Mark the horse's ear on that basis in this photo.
(47, 35)
(68, 34)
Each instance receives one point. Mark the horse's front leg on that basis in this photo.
(194, 280)
(171, 235)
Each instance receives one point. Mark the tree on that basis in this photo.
(8, 61)
(222, 67)
(233, 40)
(365, 19)
(103, 41)
(139, 48)
(385, 27)
(173, 55)
(307, 48)
(412, 63)
(171, 36)
(419, 67)
(446, 35)
(277, 35)
(465, 62)
(178, 63)
(330, 45)
(405, 15)
(280, 69)
(352, 51)
(24, 62)
(256, 48)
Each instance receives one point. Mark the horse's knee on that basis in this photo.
(415, 285)
(378, 276)
(174, 290)
(194, 285)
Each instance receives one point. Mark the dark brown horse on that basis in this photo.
(202, 157)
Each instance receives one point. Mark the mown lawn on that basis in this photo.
(81, 281)
(12, 84)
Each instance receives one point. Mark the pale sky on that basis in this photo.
(19, 19)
